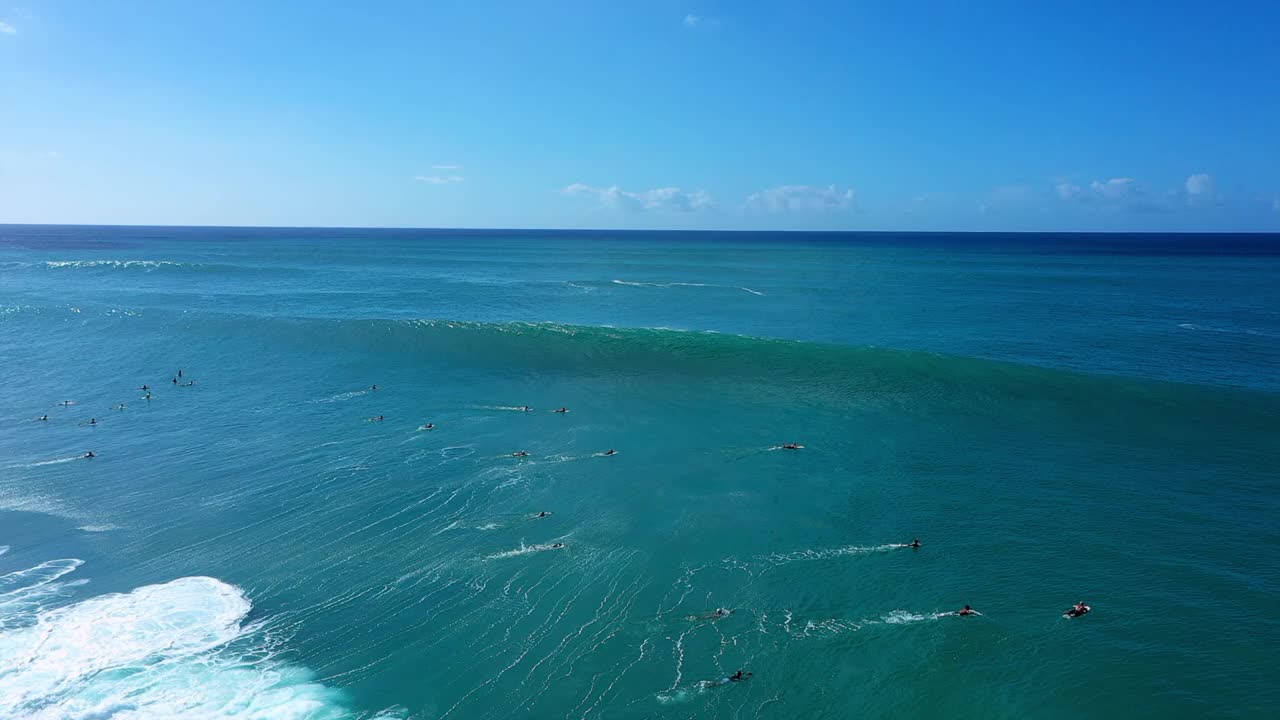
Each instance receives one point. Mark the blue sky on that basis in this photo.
(843, 115)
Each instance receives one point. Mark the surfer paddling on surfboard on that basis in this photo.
(1077, 610)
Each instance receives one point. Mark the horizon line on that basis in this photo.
(653, 230)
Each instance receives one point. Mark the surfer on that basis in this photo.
(145, 387)
(719, 613)
(429, 426)
(1077, 610)
(179, 373)
(556, 546)
(175, 379)
(89, 455)
(93, 421)
(376, 418)
(147, 396)
(120, 406)
(67, 403)
(374, 388)
(915, 544)
(43, 418)
(738, 676)
(525, 408)
(543, 514)
(966, 611)
(520, 453)
(792, 446)
(610, 451)
(562, 410)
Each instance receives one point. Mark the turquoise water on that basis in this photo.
(1057, 418)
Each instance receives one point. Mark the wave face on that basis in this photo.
(1140, 306)
(254, 545)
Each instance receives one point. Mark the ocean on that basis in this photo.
(1057, 418)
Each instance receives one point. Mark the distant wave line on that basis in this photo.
(636, 283)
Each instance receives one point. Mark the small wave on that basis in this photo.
(4, 549)
(526, 549)
(488, 526)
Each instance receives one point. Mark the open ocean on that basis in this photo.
(1056, 417)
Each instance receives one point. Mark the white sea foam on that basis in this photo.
(104, 527)
(902, 617)
(1232, 331)
(823, 554)
(21, 500)
(4, 549)
(340, 397)
(117, 264)
(177, 649)
(58, 461)
(525, 550)
(681, 695)
(34, 577)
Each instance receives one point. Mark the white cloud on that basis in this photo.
(446, 167)
(802, 198)
(439, 179)
(1200, 184)
(659, 199)
(1124, 193)
(1115, 188)
(7, 29)
(692, 21)
(1201, 190)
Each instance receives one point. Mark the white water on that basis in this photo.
(179, 649)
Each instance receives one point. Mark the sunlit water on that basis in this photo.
(1057, 419)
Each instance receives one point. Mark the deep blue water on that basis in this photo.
(1057, 417)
